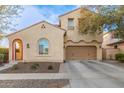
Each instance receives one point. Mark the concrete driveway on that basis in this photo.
(84, 74)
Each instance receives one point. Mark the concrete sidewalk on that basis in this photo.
(34, 76)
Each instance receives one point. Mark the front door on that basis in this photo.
(17, 50)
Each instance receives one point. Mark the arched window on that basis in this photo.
(43, 46)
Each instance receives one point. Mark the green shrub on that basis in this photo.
(15, 67)
(1, 57)
(34, 66)
(3, 54)
(4, 58)
(119, 57)
(4, 50)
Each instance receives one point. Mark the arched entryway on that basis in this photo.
(17, 49)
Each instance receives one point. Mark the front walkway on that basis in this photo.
(7, 65)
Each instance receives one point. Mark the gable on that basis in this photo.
(76, 12)
(40, 26)
(70, 12)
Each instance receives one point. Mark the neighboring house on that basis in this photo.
(45, 42)
(112, 45)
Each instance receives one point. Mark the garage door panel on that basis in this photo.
(81, 52)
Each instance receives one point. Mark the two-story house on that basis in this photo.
(45, 42)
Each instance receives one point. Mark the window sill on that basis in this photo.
(43, 55)
(71, 28)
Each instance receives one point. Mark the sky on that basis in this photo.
(50, 13)
(37, 13)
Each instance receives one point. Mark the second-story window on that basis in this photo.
(70, 24)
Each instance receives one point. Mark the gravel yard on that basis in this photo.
(54, 83)
(33, 67)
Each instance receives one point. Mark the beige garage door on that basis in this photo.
(80, 52)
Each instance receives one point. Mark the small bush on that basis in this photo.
(3, 58)
(15, 67)
(119, 57)
(3, 55)
(4, 50)
(50, 67)
(34, 66)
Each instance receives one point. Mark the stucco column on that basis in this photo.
(99, 53)
(10, 51)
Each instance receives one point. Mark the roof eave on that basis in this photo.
(119, 42)
(68, 12)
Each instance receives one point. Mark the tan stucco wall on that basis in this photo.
(121, 47)
(31, 35)
(107, 39)
(110, 53)
(75, 36)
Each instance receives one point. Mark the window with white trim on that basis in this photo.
(70, 23)
(43, 46)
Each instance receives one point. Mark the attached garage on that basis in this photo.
(81, 52)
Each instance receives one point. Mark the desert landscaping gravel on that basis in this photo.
(33, 67)
(55, 83)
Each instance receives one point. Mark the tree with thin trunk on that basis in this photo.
(9, 13)
(101, 18)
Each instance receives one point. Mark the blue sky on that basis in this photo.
(36, 13)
